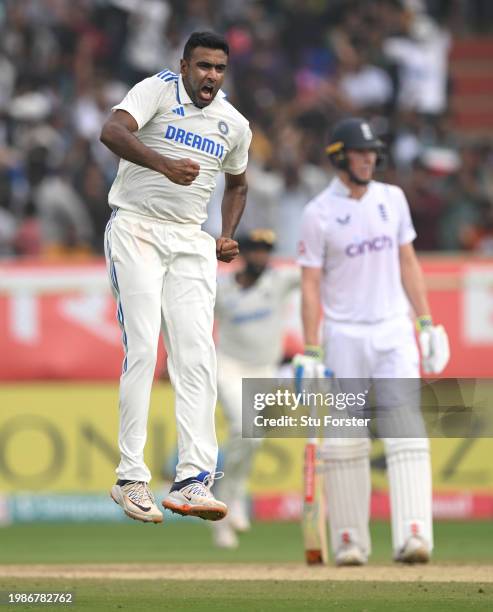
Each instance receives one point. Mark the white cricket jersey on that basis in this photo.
(217, 137)
(356, 243)
(251, 320)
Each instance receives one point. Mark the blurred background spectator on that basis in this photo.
(296, 68)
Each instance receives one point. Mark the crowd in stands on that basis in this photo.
(295, 69)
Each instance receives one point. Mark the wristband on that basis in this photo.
(423, 322)
(312, 350)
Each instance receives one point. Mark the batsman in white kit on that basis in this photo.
(174, 134)
(249, 310)
(358, 260)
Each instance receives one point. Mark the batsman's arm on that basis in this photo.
(413, 280)
(118, 135)
(310, 304)
(232, 208)
(433, 340)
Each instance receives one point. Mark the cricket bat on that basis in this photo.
(314, 515)
(313, 521)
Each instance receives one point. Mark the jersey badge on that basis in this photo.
(383, 212)
(344, 221)
(179, 110)
(223, 127)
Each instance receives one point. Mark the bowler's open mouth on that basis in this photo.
(206, 92)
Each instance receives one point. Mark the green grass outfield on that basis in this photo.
(465, 544)
(260, 596)
(185, 540)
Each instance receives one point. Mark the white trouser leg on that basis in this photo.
(348, 489)
(238, 452)
(188, 316)
(136, 275)
(387, 350)
(409, 470)
(408, 459)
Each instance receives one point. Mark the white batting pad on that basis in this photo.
(409, 472)
(348, 487)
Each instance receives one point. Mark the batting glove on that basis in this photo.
(434, 345)
(310, 365)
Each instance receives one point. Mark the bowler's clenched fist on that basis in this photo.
(226, 249)
(181, 171)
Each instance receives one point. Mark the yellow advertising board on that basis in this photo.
(63, 437)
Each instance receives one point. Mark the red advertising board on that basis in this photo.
(58, 321)
(455, 505)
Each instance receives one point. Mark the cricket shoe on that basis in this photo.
(192, 497)
(136, 500)
(224, 535)
(415, 550)
(350, 555)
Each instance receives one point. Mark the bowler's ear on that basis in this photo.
(183, 66)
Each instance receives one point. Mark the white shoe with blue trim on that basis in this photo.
(193, 497)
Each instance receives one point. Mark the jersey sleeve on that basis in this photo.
(311, 247)
(236, 160)
(406, 232)
(143, 100)
(290, 279)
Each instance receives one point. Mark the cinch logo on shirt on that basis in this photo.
(190, 139)
(369, 246)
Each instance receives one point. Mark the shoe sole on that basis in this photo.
(137, 517)
(207, 513)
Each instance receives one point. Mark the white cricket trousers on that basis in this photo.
(163, 276)
(381, 350)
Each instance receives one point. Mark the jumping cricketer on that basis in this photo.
(174, 134)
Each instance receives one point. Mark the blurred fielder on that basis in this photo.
(249, 309)
(357, 258)
(174, 133)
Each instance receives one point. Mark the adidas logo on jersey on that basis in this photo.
(179, 110)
